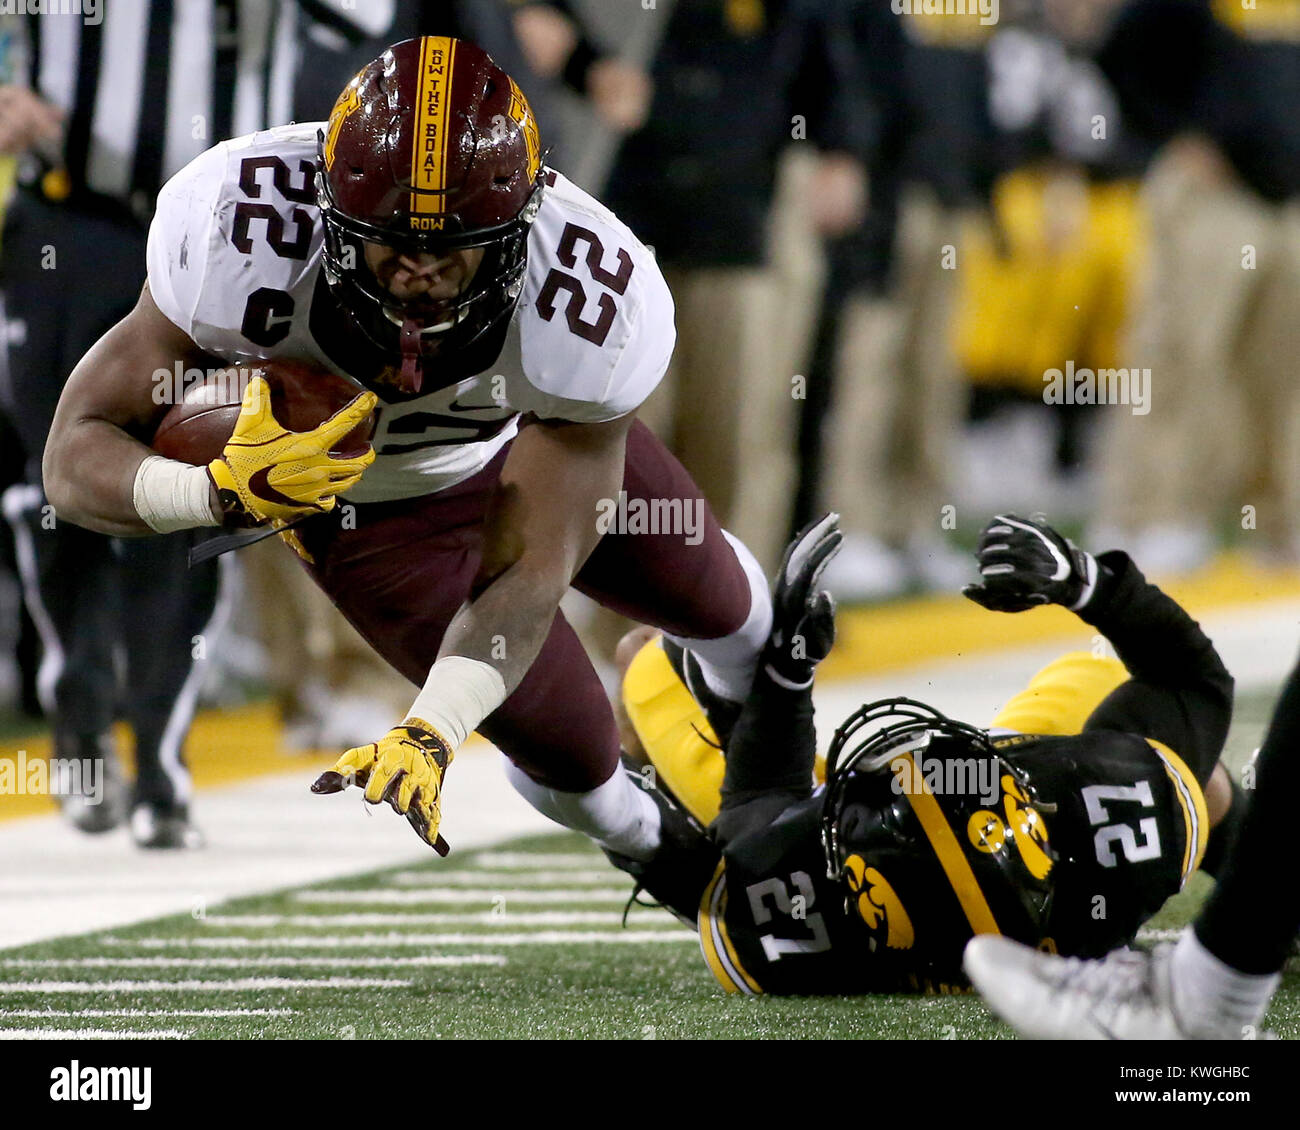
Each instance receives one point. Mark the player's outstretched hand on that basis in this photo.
(267, 472)
(803, 616)
(405, 768)
(1025, 563)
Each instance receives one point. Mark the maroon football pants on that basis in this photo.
(400, 571)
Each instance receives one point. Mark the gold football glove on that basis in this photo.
(267, 472)
(405, 768)
(290, 537)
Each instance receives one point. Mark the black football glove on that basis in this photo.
(803, 616)
(1024, 563)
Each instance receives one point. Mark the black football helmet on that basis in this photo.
(924, 865)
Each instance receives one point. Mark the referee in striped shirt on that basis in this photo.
(100, 103)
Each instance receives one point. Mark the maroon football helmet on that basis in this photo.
(430, 149)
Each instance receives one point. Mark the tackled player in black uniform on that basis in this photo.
(1064, 825)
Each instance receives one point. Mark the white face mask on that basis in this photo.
(909, 744)
(399, 320)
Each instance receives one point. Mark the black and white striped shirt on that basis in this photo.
(154, 83)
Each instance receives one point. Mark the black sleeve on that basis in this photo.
(1180, 692)
(773, 745)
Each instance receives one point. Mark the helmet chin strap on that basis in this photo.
(412, 363)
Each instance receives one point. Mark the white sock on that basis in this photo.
(619, 815)
(728, 663)
(1212, 998)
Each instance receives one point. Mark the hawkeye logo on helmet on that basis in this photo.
(878, 904)
(1023, 829)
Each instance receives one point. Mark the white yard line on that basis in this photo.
(263, 835)
(607, 876)
(424, 960)
(91, 1034)
(378, 941)
(234, 985)
(647, 917)
(527, 860)
(434, 896)
(138, 1013)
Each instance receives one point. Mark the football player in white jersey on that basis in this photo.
(504, 326)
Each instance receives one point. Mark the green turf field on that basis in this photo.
(353, 959)
(519, 940)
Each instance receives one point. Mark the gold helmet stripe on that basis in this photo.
(432, 111)
(951, 858)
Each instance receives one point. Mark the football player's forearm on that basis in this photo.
(486, 652)
(773, 745)
(1180, 693)
(498, 634)
(89, 470)
(541, 527)
(506, 625)
(1152, 634)
(91, 454)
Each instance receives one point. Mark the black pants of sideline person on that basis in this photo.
(125, 624)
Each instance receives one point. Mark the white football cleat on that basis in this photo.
(1125, 995)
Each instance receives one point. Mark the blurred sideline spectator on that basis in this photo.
(556, 45)
(896, 403)
(101, 113)
(734, 83)
(1049, 283)
(1055, 285)
(1219, 85)
(19, 649)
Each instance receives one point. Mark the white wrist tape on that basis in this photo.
(458, 694)
(171, 496)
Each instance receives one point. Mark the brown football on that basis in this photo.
(196, 430)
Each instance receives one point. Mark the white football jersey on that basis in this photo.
(235, 260)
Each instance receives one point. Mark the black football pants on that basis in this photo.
(1252, 916)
